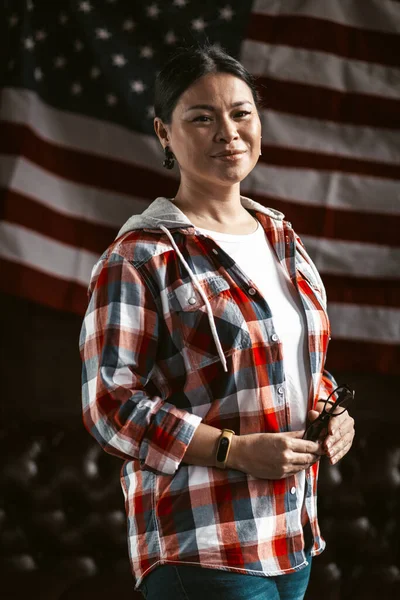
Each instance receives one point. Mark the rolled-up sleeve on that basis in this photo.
(118, 345)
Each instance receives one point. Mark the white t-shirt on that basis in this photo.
(255, 256)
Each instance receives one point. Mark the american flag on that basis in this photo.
(79, 155)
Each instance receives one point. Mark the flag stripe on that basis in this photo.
(282, 132)
(351, 258)
(344, 191)
(352, 141)
(325, 222)
(301, 159)
(67, 197)
(363, 357)
(372, 290)
(25, 212)
(49, 290)
(325, 36)
(27, 247)
(322, 103)
(319, 69)
(313, 220)
(365, 323)
(379, 15)
(362, 290)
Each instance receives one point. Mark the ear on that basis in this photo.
(162, 131)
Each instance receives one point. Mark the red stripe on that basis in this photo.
(312, 220)
(334, 223)
(362, 290)
(19, 280)
(81, 167)
(321, 35)
(318, 102)
(320, 161)
(20, 210)
(350, 356)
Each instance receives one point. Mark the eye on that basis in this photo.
(202, 119)
(242, 113)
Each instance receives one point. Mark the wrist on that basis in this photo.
(236, 458)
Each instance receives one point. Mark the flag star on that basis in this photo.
(76, 89)
(150, 112)
(111, 99)
(199, 24)
(85, 7)
(128, 25)
(63, 18)
(95, 72)
(103, 34)
(180, 3)
(226, 13)
(40, 35)
(60, 62)
(146, 51)
(29, 43)
(171, 38)
(38, 74)
(13, 20)
(119, 60)
(78, 45)
(138, 86)
(153, 11)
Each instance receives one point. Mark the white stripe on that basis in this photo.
(81, 132)
(26, 247)
(353, 141)
(365, 323)
(320, 68)
(353, 258)
(112, 141)
(378, 15)
(68, 198)
(343, 191)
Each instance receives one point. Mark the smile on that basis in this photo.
(231, 157)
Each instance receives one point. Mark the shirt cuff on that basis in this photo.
(167, 439)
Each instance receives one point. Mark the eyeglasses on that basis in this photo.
(344, 396)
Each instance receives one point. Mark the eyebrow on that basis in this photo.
(211, 108)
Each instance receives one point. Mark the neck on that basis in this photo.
(206, 206)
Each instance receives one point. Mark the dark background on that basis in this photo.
(62, 518)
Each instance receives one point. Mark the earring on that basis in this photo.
(169, 158)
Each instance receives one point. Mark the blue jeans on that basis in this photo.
(185, 582)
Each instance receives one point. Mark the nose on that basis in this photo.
(226, 131)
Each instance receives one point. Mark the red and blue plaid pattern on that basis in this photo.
(151, 374)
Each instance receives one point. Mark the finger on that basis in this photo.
(307, 446)
(340, 449)
(340, 422)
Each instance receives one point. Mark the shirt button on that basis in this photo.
(252, 291)
(293, 490)
(280, 390)
(274, 337)
(215, 251)
(192, 300)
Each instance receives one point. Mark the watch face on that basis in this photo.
(222, 449)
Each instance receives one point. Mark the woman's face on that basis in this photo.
(214, 116)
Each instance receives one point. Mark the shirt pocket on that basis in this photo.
(191, 322)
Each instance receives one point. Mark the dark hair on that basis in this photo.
(185, 67)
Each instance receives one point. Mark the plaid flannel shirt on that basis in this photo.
(151, 374)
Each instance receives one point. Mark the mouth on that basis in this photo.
(230, 156)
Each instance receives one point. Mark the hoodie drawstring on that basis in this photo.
(198, 287)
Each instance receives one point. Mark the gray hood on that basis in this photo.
(162, 211)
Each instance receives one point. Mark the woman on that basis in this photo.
(204, 346)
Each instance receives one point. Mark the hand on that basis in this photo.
(273, 455)
(340, 435)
